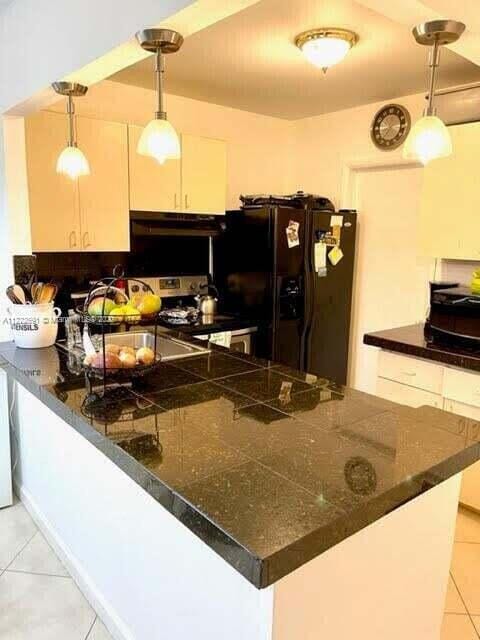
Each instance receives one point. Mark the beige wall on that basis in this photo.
(258, 147)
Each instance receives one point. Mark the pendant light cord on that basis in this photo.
(159, 70)
(434, 64)
(71, 121)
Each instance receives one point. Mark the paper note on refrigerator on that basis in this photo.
(293, 239)
(335, 255)
(320, 258)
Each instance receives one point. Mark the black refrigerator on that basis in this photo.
(290, 268)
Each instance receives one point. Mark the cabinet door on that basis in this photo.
(449, 220)
(409, 396)
(204, 175)
(153, 186)
(103, 195)
(470, 492)
(53, 198)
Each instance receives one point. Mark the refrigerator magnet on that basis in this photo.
(335, 255)
(292, 234)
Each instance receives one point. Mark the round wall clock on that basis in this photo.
(390, 127)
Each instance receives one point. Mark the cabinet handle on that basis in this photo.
(175, 201)
(85, 240)
(408, 373)
(72, 240)
(186, 201)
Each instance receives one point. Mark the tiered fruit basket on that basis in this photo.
(119, 351)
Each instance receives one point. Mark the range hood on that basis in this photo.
(150, 223)
(459, 105)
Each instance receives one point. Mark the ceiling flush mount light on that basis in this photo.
(71, 162)
(326, 47)
(429, 138)
(159, 139)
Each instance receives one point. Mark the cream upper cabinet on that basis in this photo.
(153, 186)
(450, 204)
(103, 195)
(88, 214)
(204, 175)
(53, 198)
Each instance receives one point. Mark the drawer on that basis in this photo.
(462, 386)
(412, 371)
(404, 394)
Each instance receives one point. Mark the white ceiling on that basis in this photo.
(249, 61)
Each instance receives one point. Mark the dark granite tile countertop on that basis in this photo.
(411, 341)
(268, 466)
(213, 324)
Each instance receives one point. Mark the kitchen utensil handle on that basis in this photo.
(72, 239)
(86, 240)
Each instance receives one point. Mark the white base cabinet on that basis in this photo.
(415, 382)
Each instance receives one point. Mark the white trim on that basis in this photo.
(349, 194)
(105, 612)
(6, 496)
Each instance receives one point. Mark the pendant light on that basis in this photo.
(327, 46)
(429, 138)
(159, 139)
(71, 162)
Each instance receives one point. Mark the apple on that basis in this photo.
(101, 307)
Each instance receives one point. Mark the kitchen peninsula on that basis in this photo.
(239, 498)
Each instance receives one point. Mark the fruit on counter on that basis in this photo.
(149, 304)
(145, 356)
(117, 314)
(109, 361)
(101, 306)
(113, 348)
(129, 350)
(136, 299)
(131, 315)
(127, 359)
(475, 284)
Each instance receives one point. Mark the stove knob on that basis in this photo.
(135, 288)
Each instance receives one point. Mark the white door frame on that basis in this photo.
(349, 191)
(350, 199)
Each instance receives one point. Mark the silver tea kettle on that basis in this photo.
(206, 303)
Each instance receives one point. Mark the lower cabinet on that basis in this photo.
(415, 382)
(410, 396)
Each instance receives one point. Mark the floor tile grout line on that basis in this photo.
(38, 573)
(22, 549)
(93, 624)
(464, 604)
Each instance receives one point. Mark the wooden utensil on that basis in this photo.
(36, 286)
(47, 293)
(11, 295)
(19, 293)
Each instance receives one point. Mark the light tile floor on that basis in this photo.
(462, 607)
(40, 601)
(38, 598)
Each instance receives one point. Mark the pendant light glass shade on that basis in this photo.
(428, 139)
(160, 141)
(73, 163)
